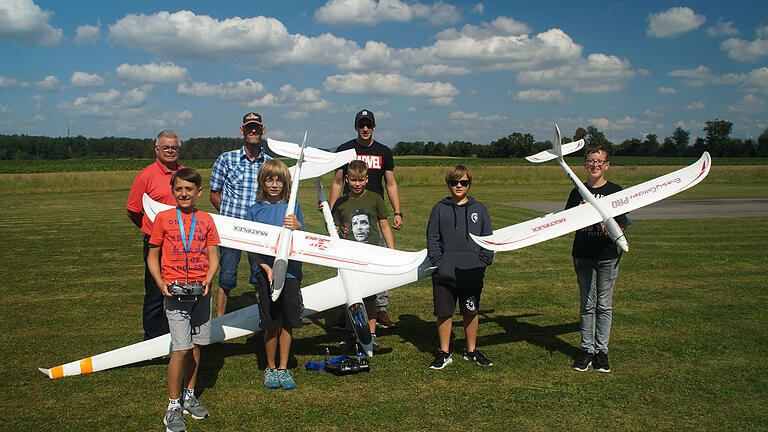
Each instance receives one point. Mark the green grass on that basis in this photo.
(688, 345)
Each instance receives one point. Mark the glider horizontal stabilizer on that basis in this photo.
(565, 221)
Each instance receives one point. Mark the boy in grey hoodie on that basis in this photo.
(460, 263)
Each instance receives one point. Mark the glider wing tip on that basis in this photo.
(47, 372)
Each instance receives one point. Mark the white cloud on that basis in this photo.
(501, 26)
(696, 105)
(5, 109)
(650, 113)
(371, 12)
(702, 76)
(238, 91)
(722, 28)
(441, 101)
(756, 81)
(307, 99)
(109, 104)
(515, 52)
(537, 95)
(746, 51)
(166, 72)
(666, 90)
(23, 21)
(49, 83)
(12, 82)
(673, 21)
(598, 73)
(37, 98)
(750, 104)
(393, 83)
(478, 9)
(462, 117)
(82, 79)
(296, 115)
(607, 125)
(87, 35)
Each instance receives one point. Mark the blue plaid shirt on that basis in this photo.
(235, 176)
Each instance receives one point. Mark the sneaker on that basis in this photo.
(270, 378)
(583, 361)
(442, 359)
(348, 343)
(286, 380)
(341, 322)
(174, 421)
(383, 320)
(477, 357)
(601, 362)
(194, 408)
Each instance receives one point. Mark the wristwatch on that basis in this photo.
(399, 214)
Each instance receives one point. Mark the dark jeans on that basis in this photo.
(155, 323)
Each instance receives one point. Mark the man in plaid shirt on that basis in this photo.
(233, 189)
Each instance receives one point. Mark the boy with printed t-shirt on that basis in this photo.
(361, 215)
(596, 262)
(188, 239)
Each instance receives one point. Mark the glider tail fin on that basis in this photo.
(557, 144)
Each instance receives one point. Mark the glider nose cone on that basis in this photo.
(622, 243)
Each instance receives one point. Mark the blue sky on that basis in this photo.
(440, 71)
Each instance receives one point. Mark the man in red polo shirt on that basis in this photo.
(155, 181)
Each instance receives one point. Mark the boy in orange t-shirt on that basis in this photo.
(188, 239)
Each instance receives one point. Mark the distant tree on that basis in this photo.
(459, 149)
(716, 137)
(579, 134)
(630, 147)
(762, 144)
(595, 137)
(650, 146)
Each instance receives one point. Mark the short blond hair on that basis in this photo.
(274, 168)
(357, 168)
(457, 172)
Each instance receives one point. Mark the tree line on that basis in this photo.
(716, 140)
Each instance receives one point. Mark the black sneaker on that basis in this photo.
(601, 362)
(477, 357)
(442, 359)
(583, 361)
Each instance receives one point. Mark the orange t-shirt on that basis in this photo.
(155, 181)
(174, 262)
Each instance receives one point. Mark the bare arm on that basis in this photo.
(153, 264)
(336, 187)
(387, 233)
(394, 197)
(134, 217)
(264, 266)
(215, 198)
(213, 265)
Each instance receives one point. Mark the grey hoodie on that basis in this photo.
(461, 262)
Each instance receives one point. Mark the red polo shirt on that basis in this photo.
(154, 181)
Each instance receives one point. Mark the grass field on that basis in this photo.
(688, 346)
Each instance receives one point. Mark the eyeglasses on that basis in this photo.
(169, 149)
(364, 124)
(596, 162)
(252, 129)
(464, 183)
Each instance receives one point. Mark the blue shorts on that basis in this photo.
(229, 260)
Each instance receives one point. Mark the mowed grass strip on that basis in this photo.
(688, 345)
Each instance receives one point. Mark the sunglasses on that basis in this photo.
(464, 183)
(252, 128)
(364, 124)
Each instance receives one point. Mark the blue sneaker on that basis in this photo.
(270, 378)
(286, 380)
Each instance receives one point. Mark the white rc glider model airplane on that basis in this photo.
(369, 269)
(364, 269)
(598, 209)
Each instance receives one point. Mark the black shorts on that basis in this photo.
(287, 311)
(445, 299)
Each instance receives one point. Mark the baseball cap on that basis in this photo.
(365, 114)
(252, 118)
